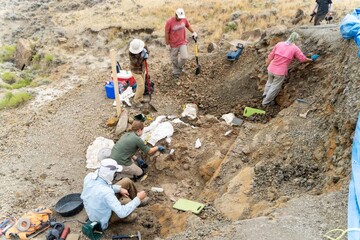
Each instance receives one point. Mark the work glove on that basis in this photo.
(141, 163)
(195, 36)
(161, 148)
(144, 54)
(314, 57)
(168, 47)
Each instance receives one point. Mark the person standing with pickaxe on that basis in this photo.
(175, 39)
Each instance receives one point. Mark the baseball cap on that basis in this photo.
(180, 13)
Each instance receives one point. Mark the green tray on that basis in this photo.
(187, 205)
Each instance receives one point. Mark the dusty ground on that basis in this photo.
(278, 172)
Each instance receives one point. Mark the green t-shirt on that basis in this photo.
(126, 147)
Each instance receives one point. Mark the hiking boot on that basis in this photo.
(144, 202)
(272, 103)
(176, 75)
(129, 219)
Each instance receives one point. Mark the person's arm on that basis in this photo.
(188, 26)
(153, 150)
(121, 211)
(167, 30)
(330, 7)
(316, 6)
(300, 56)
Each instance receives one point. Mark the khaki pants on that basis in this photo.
(140, 87)
(177, 64)
(129, 185)
(129, 171)
(272, 87)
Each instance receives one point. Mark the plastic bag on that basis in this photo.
(350, 27)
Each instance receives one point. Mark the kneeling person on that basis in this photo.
(99, 195)
(124, 150)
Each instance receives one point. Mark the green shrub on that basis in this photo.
(48, 58)
(21, 83)
(7, 53)
(231, 26)
(36, 58)
(12, 100)
(9, 77)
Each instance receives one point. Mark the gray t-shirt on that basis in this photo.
(323, 7)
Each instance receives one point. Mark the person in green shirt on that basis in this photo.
(124, 150)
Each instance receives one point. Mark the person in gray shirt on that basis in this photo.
(323, 8)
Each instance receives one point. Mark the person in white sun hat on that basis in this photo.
(175, 39)
(138, 53)
(100, 196)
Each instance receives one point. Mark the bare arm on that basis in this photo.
(316, 6)
(153, 150)
(166, 37)
(190, 29)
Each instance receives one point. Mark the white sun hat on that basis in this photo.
(180, 13)
(136, 46)
(107, 170)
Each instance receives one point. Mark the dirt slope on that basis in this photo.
(279, 172)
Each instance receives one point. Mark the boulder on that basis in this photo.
(23, 53)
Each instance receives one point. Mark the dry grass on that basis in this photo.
(210, 18)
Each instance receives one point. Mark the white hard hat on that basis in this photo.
(136, 46)
(180, 13)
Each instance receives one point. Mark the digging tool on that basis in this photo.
(116, 84)
(312, 16)
(198, 67)
(148, 85)
(136, 236)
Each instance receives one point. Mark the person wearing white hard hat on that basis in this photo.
(175, 39)
(100, 196)
(138, 53)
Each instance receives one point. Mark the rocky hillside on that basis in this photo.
(285, 172)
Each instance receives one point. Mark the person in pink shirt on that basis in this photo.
(278, 63)
(175, 39)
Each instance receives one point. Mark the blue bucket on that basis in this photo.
(109, 88)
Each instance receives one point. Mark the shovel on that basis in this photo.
(198, 67)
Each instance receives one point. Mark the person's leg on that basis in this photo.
(129, 185)
(319, 18)
(183, 56)
(274, 89)
(129, 219)
(140, 88)
(131, 171)
(174, 60)
(268, 83)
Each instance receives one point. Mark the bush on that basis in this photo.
(7, 53)
(21, 83)
(9, 77)
(12, 100)
(48, 58)
(36, 58)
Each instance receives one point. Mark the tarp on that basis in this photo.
(350, 27)
(354, 187)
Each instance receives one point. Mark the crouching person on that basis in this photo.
(125, 149)
(101, 197)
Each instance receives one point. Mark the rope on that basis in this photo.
(342, 233)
